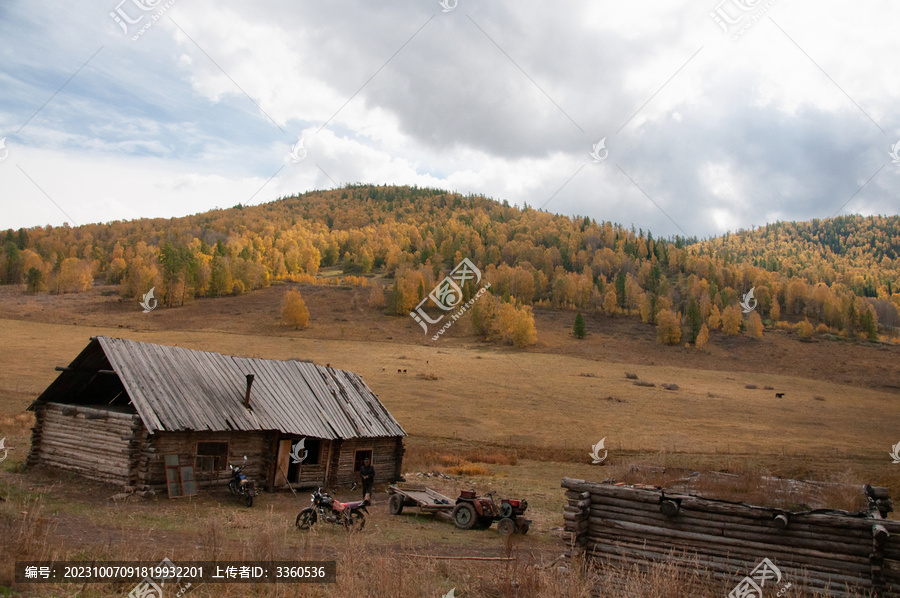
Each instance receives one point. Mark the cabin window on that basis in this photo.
(309, 454)
(212, 456)
(360, 457)
(312, 445)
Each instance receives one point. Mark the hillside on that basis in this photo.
(841, 274)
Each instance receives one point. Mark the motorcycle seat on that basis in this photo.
(340, 506)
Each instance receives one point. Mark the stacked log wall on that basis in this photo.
(823, 552)
(387, 459)
(94, 442)
(255, 445)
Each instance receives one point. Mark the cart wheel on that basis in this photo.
(395, 505)
(506, 526)
(464, 516)
(506, 510)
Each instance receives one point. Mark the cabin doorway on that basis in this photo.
(299, 462)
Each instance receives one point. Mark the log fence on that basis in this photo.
(821, 550)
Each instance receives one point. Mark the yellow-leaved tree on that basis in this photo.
(804, 329)
(715, 318)
(609, 302)
(731, 320)
(775, 312)
(505, 322)
(702, 337)
(668, 328)
(754, 326)
(294, 311)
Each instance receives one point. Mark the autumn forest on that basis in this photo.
(836, 276)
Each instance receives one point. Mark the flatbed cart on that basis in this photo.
(466, 512)
(425, 499)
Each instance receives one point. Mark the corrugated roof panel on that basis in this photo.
(174, 388)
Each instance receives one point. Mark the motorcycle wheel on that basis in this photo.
(359, 518)
(306, 518)
(249, 500)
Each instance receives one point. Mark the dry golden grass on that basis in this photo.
(510, 421)
(490, 397)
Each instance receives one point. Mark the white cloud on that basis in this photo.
(745, 131)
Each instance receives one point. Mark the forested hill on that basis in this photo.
(860, 251)
(817, 268)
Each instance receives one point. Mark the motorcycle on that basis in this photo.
(240, 486)
(326, 508)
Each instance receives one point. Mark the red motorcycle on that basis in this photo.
(326, 508)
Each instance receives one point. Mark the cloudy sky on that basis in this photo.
(713, 115)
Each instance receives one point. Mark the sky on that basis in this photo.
(682, 118)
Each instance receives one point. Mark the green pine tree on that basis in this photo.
(578, 329)
(620, 288)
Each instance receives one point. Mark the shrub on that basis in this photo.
(804, 329)
(293, 310)
(376, 297)
(668, 331)
(468, 469)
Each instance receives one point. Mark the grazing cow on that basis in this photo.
(779, 395)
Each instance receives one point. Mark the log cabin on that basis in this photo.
(141, 415)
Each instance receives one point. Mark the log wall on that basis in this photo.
(100, 444)
(387, 458)
(255, 445)
(114, 447)
(822, 551)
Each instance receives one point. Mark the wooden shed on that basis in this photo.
(139, 414)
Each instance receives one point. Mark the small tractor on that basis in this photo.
(471, 511)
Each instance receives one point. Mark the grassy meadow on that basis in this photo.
(492, 418)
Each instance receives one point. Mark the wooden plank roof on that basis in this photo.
(174, 389)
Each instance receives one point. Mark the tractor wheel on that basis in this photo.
(395, 505)
(506, 510)
(524, 529)
(506, 526)
(464, 516)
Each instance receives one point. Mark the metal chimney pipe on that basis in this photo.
(250, 378)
